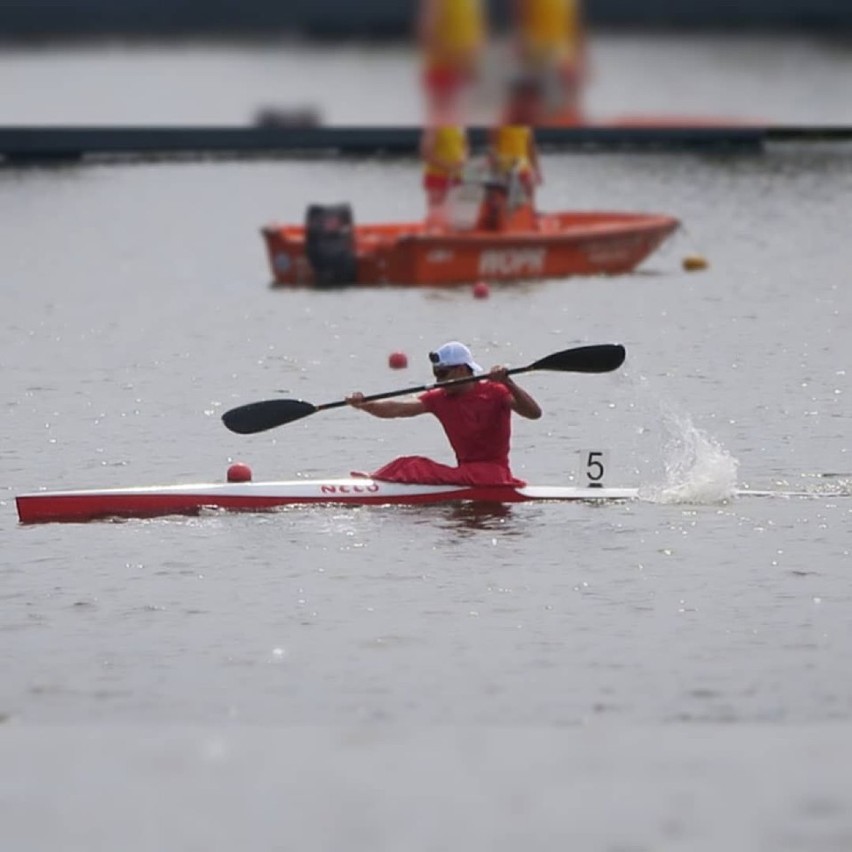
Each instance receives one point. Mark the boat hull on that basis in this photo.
(556, 246)
(192, 499)
(87, 505)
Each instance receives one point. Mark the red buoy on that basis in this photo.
(481, 290)
(397, 360)
(239, 472)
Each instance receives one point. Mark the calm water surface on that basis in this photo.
(660, 675)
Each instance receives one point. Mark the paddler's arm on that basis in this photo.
(387, 408)
(522, 402)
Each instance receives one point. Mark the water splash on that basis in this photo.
(697, 468)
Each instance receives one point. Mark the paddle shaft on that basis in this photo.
(373, 397)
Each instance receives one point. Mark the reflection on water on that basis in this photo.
(469, 518)
(464, 518)
(357, 524)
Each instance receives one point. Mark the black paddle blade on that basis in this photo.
(602, 358)
(260, 416)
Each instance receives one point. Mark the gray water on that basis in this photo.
(666, 675)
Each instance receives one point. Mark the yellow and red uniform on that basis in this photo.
(513, 161)
(445, 154)
(452, 36)
(549, 32)
(513, 151)
(551, 45)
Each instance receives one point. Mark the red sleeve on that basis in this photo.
(430, 399)
(502, 393)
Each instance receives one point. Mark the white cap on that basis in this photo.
(454, 354)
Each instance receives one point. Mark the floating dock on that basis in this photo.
(40, 145)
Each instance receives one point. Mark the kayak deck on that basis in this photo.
(155, 501)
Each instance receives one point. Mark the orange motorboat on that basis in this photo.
(330, 250)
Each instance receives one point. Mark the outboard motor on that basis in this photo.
(330, 244)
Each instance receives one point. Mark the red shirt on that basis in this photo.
(477, 423)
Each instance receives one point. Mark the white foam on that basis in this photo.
(697, 468)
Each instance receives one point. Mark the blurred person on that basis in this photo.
(445, 153)
(475, 416)
(451, 34)
(550, 46)
(514, 173)
(512, 157)
(526, 103)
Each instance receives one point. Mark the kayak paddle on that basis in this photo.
(269, 413)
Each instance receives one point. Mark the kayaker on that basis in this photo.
(445, 153)
(452, 37)
(476, 417)
(550, 45)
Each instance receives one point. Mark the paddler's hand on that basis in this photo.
(522, 402)
(356, 400)
(499, 374)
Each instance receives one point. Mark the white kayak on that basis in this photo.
(154, 501)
